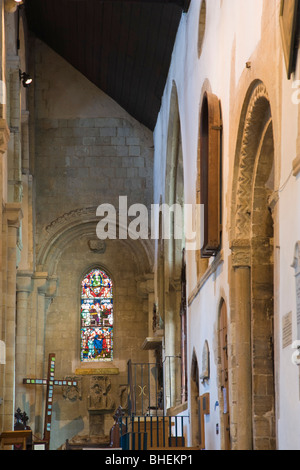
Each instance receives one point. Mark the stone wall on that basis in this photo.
(89, 161)
(88, 151)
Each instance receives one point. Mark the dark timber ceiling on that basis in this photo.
(124, 47)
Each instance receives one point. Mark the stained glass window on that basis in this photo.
(96, 317)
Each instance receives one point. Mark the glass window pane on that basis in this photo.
(96, 317)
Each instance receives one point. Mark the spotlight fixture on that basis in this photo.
(26, 79)
(18, 1)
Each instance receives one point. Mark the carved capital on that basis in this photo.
(241, 253)
(24, 282)
(145, 285)
(51, 287)
(46, 285)
(40, 280)
(14, 214)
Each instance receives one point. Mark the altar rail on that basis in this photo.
(153, 432)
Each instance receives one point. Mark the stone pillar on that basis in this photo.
(12, 218)
(241, 406)
(43, 290)
(24, 288)
(14, 162)
(40, 288)
(4, 137)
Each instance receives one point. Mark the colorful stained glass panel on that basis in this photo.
(96, 317)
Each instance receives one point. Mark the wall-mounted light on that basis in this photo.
(25, 78)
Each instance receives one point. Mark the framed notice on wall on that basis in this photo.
(288, 23)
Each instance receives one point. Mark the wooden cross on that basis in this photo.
(50, 382)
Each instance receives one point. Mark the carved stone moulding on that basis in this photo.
(100, 397)
(97, 246)
(258, 112)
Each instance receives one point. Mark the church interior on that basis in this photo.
(150, 241)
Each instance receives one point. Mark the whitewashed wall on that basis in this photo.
(237, 31)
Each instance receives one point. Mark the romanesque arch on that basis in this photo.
(173, 252)
(252, 290)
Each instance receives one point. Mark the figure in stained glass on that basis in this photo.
(96, 317)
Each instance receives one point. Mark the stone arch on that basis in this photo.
(252, 288)
(256, 115)
(173, 249)
(75, 232)
(79, 223)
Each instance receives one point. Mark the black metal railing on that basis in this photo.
(145, 389)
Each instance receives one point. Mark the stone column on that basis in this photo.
(40, 287)
(44, 289)
(4, 137)
(241, 406)
(24, 288)
(12, 218)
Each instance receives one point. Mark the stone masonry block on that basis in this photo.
(108, 132)
(124, 132)
(132, 141)
(66, 132)
(135, 150)
(138, 162)
(108, 122)
(122, 151)
(118, 141)
(88, 140)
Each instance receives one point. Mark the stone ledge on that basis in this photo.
(151, 343)
(99, 371)
(217, 261)
(176, 410)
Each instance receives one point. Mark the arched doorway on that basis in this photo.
(252, 288)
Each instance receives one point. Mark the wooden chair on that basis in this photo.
(10, 438)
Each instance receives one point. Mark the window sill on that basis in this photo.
(213, 266)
